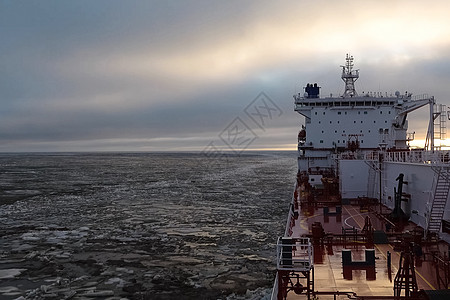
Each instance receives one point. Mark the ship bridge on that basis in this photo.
(368, 120)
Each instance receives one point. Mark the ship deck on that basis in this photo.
(329, 274)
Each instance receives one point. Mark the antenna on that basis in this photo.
(349, 76)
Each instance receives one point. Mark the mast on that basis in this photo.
(349, 76)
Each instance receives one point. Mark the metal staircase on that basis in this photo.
(439, 199)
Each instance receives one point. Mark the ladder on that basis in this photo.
(439, 199)
(372, 179)
(371, 182)
(440, 117)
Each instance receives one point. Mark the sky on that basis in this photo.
(185, 75)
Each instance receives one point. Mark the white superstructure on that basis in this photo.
(363, 140)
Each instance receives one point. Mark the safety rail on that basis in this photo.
(440, 157)
(291, 215)
(294, 254)
(420, 97)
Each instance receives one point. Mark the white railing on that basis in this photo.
(294, 254)
(441, 157)
(290, 222)
(274, 295)
(420, 97)
(420, 157)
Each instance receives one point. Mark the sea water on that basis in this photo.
(142, 225)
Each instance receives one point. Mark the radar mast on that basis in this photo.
(349, 76)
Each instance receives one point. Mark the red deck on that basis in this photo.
(329, 274)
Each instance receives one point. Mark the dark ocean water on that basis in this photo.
(141, 226)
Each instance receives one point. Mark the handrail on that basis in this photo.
(439, 157)
(297, 255)
(290, 217)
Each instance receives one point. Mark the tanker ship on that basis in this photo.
(369, 216)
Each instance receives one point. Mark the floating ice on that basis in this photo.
(119, 282)
(8, 289)
(30, 236)
(97, 294)
(155, 223)
(10, 273)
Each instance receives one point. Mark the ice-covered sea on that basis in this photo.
(141, 226)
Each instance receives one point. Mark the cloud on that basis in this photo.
(83, 72)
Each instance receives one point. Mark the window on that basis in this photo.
(324, 113)
(365, 112)
(321, 141)
(322, 131)
(339, 112)
(361, 122)
(315, 113)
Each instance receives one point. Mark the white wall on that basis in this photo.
(420, 184)
(353, 176)
(332, 126)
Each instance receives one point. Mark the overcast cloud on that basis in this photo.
(172, 75)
